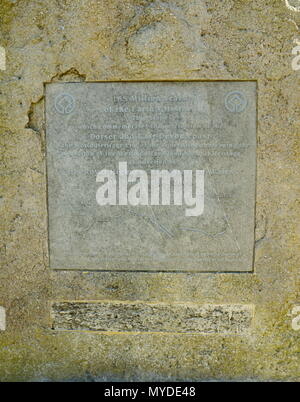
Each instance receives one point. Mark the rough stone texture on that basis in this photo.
(152, 317)
(64, 40)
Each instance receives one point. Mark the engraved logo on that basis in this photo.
(64, 103)
(235, 102)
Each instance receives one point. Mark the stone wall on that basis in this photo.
(97, 40)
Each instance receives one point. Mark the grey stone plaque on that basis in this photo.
(209, 126)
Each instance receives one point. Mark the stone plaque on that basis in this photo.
(146, 127)
(152, 317)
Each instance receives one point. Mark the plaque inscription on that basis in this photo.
(151, 126)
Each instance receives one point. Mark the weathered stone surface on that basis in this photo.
(152, 317)
(154, 126)
(67, 40)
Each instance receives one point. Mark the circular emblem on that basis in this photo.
(235, 102)
(64, 103)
